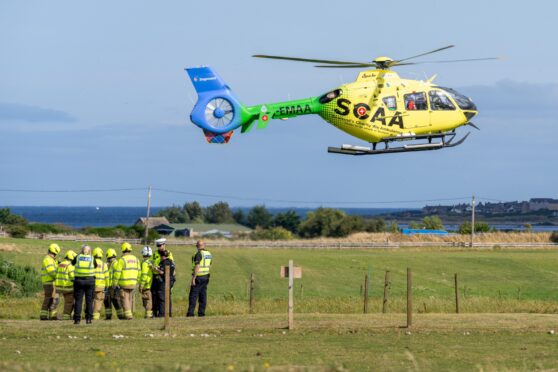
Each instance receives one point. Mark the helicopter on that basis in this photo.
(379, 107)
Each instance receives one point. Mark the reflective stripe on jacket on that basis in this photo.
(48, 270)
(205, 262)
(126, 271)
(64, 276)
(84, 266)
(146, 277)
(101, 274)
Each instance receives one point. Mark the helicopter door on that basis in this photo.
(416, 107)
(442, 110)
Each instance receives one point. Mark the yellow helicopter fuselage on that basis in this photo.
(379, 104)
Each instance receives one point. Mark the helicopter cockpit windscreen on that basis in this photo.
(462, 101)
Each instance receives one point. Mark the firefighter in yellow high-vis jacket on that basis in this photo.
(64, 283)
(48, 276)
(125, 278)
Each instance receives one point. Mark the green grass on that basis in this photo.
(330, 333)
(490, 280)
(260, 342)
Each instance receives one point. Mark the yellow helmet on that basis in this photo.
(70, 255)
(126, 247)
(98, 252)
(54, 248)
(111, 253)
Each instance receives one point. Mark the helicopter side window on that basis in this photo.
(440, 101)
(390, 103)
(415, 101)
(328, 97)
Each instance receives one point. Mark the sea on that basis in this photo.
(78, 217)
(112, 216)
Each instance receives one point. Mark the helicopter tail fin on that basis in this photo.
(217, 111)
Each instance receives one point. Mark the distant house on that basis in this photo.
(153, 221)
(536, 204)
(191, 230)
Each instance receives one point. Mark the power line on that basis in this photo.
(307, 201)
(73, 191)
(253, 199)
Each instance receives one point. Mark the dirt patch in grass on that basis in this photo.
(8, 247)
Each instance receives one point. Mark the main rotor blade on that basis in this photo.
(424, 54)
(445, 61)
(306, 60)
(361, 65)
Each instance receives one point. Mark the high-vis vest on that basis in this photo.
(146, 277)
(64, 276)
(84, 266)
(48, 270)
(111, 265)
(205, 262)
(101, 275)
(126, 271)
(157, 258)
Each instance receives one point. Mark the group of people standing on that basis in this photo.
(112, 283)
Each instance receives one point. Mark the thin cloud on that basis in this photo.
(516, 97)
(32, 114)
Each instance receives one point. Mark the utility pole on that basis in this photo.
(147, 217)
(472, 221)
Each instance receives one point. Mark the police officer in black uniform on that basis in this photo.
(201, 263)
(159, 311)
(84, 284)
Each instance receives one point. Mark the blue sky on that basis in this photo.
(93, 95)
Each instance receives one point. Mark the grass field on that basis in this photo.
(260, 342)
(499, 288)
(490, 280)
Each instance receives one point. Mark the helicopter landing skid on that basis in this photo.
(446, 141)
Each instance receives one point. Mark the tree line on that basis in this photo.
(323, 222)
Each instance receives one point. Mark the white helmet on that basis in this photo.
(146, 251)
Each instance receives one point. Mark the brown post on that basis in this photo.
(366, 294)
(409, 298)
(386, 289)
(291, 298)
(252, 298)
(167, 297)
(456, 296)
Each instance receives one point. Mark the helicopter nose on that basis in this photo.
(470, 114)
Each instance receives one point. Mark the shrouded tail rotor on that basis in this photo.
(217, 110)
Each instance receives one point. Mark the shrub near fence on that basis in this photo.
(18, 281)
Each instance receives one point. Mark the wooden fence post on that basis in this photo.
(291, 299)
(252, 295)
(167, 297)
(456, 295)
(409, 298)
(386, 289)
(366, 284)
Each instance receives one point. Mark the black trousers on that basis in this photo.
(160, 300)
(198, 292)
(84, 286)
(111, 301)
(155, 285)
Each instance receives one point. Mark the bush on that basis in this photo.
(273, 233)
(45, 228)
(17, 231)
(329, 222)
(375, 225)
(480, 227)
(16, 280)
(554, 237)
(432, 223)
